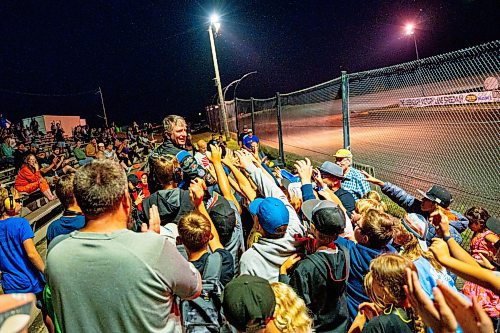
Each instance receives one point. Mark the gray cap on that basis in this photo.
(332, 169)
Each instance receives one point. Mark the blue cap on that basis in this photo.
(272, 213)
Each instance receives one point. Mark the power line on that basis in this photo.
(16, 92)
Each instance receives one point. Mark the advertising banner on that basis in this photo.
(453, 99)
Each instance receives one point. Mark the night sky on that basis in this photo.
(153, 58)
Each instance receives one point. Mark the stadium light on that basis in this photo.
(214, 23)
(409, 29)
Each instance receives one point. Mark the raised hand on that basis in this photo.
(305, 170)
(471, 317)
(216, 154)
(245, 158)
(154, 221)
(196, 192)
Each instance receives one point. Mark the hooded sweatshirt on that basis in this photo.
(360, 258)
(266, 256)
(172, 205)
(320, 280)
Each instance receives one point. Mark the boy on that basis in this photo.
(320, 278)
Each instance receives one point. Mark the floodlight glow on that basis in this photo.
(410, 29)
(214, 19)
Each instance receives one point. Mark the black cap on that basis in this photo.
(133, 179)
(223, 217)
(439, 195)
(248, 299)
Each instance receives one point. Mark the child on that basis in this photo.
(483, 242)
(373, 232)
(197, 233)
(321, 277)
(412, 235)
(384, 284)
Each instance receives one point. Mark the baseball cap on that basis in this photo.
(248, 299)
(250, 130)
(332, 169)
(223, 217)
(271, 212)
(493, 223)
(100, 144)
(189, 165)
(327, 217)
(343, 153)
(439, 195)
(133, 179)
(417, 225)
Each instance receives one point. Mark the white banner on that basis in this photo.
(465, 98)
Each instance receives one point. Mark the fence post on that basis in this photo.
(280, 132)
(345, 110)
(253, 115)
(236, 114)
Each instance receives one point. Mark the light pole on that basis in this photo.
(103, 108)
(214, 23)
(410, 31)
(236, 103)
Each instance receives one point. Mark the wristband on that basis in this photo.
(447, 238)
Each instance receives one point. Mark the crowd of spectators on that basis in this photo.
(210, 239)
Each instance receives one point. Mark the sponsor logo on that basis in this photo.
(471, 98)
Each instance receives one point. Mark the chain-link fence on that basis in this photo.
(432, 121)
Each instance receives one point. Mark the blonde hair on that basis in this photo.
(291, 313)
(389, 272)
(412, 249)
(363, 205)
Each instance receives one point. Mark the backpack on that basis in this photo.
(331, 276)
(204, 313)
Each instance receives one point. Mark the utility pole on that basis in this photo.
(103, 108)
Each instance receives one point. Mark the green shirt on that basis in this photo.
(79, 154)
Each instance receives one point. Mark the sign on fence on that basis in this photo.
(453, 99)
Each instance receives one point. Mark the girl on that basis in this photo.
(482, 242)
(384, 285)
(290, 314)
(29, 178)
(411, 235)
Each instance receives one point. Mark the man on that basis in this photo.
(242, 135)
(19, 155)
(201, 155)
(354, 181)
(72, 218)
(174, 135)
(135, 275)
(249, 138)
(174, 143)
(332, 175)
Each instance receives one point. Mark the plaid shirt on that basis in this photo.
(355, 183)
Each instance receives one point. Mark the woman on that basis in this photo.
(29, 178)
